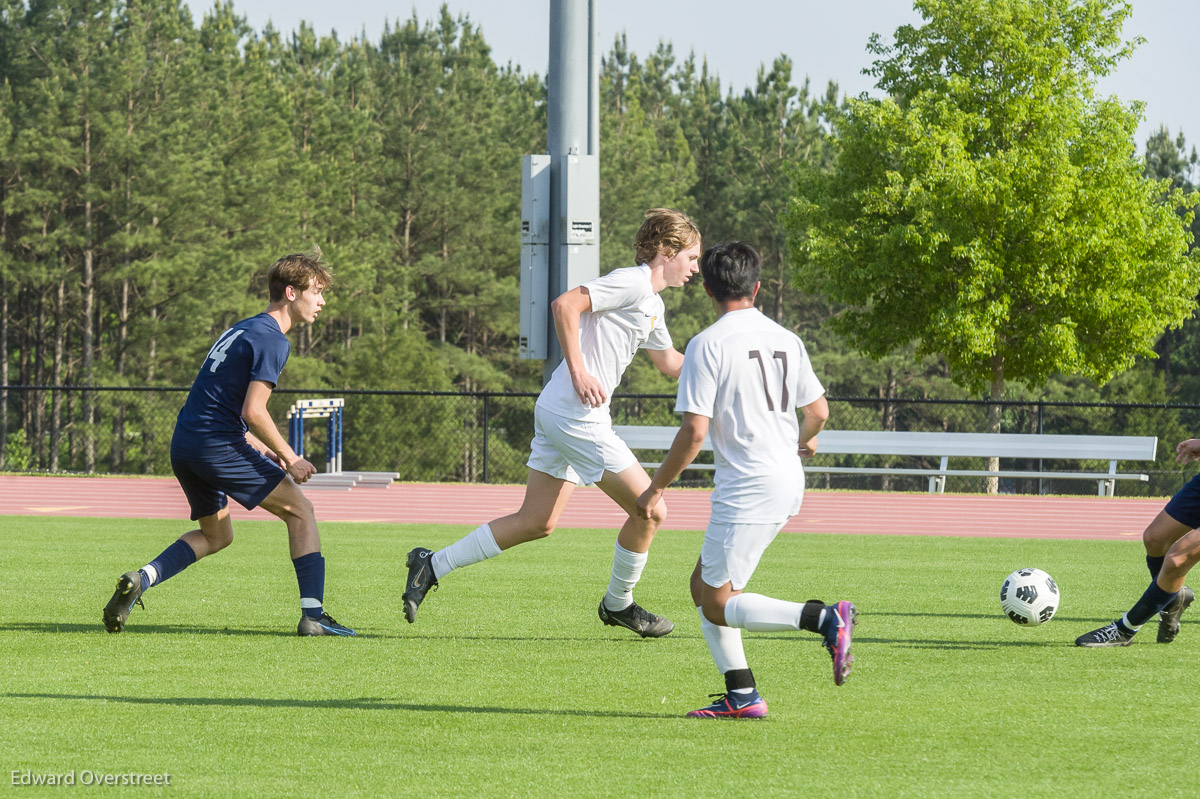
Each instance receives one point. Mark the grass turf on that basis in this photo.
(508, 685)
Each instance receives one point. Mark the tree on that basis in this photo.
(1168, 159)
(991, 209)
(771, 126)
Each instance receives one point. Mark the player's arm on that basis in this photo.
(262, 426)
(566, 309)
(253, 441)
(669, 361)
(815, 415)
(683, 451)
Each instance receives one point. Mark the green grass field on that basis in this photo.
(508, 685)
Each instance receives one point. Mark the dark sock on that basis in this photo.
(1154, 564)
(1154, 600)
(310, 574)
(739, 679)
(173, 560)
(810, 615)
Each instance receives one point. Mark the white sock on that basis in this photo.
(626, 570)
(152, 573)
(759, 613)
(1125, 621)
(725, 644)
(474, 547)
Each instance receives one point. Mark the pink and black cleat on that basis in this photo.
(733, 706)
(838, 629)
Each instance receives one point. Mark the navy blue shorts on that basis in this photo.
(1184, 507)
(239, 471)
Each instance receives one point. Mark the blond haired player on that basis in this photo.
(601, 325)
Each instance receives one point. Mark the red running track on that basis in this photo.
(471, 504)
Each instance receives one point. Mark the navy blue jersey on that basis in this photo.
(253, 349)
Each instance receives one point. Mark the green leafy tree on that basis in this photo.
(772, 126)
(645, 162)
(645, 158)
(991, 210)
(1168, 159)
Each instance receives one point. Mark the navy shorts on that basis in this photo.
(1184, 507)
(239, 471)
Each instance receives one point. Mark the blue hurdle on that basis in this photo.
(331, 411)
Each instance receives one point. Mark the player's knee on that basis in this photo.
(714, 611)
(299, 509)
(217, 539)
(1177, 562)
(659, 514)
(538, 529)
(1161, 533)
(696, 586)
(1152, 540)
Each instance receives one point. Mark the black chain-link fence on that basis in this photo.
(484, 437)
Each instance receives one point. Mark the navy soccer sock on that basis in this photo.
(310, 574)
(1154, 564)
(171, 562)
(1154, 600)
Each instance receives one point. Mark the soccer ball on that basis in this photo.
(1029, 597)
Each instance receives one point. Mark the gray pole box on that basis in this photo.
(580, 237)
(535, 256)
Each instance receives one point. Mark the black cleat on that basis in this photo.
(420, 581)
(638, 619)
(1168, 618)
(1108, 635)
(325, 625)
(129, 593)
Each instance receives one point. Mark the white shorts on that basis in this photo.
(731, 552)
(581, 452)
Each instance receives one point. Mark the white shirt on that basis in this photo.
(626, 316)
(748, 375)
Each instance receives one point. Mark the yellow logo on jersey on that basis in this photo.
(653, 320)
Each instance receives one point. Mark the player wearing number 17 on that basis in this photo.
(743, 378)
(226, 445)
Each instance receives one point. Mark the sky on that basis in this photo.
(825, 39)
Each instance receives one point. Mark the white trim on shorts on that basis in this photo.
(731, 552)
(569, 449)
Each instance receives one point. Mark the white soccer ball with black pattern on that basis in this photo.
(1029, 597)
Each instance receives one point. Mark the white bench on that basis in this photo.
(946, 446)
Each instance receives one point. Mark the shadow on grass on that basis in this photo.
(931, 643)
(362, 703)
(997, 616)
(140, 629)
(920, 643)
(181, 629)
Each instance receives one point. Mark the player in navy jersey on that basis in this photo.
(226, 445)
(1172, 542)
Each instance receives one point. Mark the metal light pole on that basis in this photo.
(560, 192)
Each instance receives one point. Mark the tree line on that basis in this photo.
(152, 166)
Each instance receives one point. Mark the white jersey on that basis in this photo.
(626, 316)
(749, 375)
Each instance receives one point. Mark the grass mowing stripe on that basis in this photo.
(508, 685)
